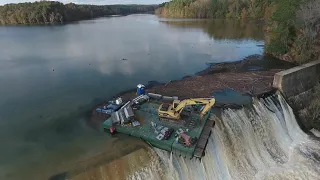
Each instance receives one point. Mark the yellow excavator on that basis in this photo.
(174, 110)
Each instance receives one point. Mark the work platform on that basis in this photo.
(147, 115)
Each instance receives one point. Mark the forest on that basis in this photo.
(215, 8)
(292, 26)
(53, 12)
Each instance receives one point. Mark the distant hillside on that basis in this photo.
(52, 12)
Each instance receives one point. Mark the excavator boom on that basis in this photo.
(174, 110)
(207, 107)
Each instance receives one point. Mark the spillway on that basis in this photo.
(260, 142)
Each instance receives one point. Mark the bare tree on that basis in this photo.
(308, 15)
(306, 45)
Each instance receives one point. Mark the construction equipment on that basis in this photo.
(174, 110)
(186, 140)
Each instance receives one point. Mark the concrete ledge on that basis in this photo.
(299, 79)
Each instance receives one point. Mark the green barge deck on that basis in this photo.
(147, 113)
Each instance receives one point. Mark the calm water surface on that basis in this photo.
(51, 75)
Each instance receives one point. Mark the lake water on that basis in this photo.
(51, 76)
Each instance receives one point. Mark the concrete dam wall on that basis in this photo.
(298, 85)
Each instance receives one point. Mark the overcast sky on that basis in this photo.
(94, 1)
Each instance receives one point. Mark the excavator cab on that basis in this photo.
(175, 104)
(169, 107)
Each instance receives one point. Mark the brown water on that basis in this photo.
(52, 76)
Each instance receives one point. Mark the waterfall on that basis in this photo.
(261, 142)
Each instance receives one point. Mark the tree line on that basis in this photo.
(214, 8)
(292, 26)
(53, 12)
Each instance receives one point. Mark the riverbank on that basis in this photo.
(289, 35)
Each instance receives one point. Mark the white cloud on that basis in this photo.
(98, 2)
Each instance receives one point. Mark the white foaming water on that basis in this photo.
(264, 142)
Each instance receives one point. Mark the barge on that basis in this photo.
(140, 118)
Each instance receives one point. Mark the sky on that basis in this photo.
(98, 2)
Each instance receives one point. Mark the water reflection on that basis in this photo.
(232, 29)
